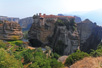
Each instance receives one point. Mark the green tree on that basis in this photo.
(3, 45)
(28, 56)
(41, 61)
(55, 64)
(8, 61)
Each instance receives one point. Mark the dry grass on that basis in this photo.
(88, 62)
(29, 47)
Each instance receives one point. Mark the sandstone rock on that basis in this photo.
(10, 31)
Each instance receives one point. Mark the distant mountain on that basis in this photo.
(9, 18)
(77, 19)
(94, 16)
(26, 23)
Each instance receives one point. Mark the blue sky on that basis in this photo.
(26, 8)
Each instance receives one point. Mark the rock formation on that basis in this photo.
(10, 30)
(90, 35)
(9, 19)
(63, 35)
(56, 31)
(26, 23)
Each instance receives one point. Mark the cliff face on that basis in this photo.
(26, 23)
(90, 35)
(56, 31)
(10, 31)
(63, 35)
(9, 19)
(65, 41)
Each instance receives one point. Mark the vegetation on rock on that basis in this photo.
(78, 55)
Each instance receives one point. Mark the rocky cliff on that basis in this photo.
(9, 18)
(63, 34)
(10, 31)
(90, 35)
(59, 32)
(26, 23)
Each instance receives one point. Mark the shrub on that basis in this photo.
(28, 56)
(41, 61)
(98, 52)
(3, 45)
(78, 55)
(55, 55)
(8, 61)
(55, 64)
(15, 37)
(39, 52)
(17, 42)
(60, 22)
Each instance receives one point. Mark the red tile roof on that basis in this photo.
(54, 16)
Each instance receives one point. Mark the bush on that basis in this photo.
(15, 37)
(3, 45)
(55, 55)
(17, 42)
(98, 52)
(60, 22)
(41, 61)
(39, 52)
(8, 61)
(28, 56)
(55, 64)
(78, 55)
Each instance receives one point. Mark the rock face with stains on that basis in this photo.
(10, 31)
(56, 31)
(90, 35)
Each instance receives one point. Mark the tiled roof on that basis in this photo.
(54, 16)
